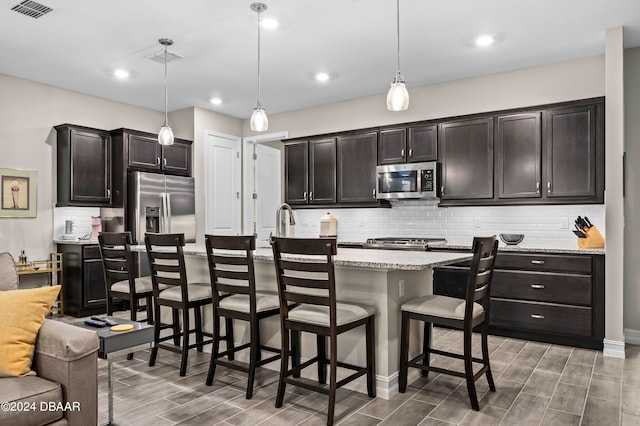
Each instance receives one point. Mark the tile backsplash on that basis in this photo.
(81, 217)
(543, 226)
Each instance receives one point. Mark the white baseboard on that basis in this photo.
(613, 349)
(632, 336)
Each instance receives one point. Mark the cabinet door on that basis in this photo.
(422, 144)
(467, 159)
(322, 171)
(519, 151)
(176, 158)
(570, 143)
(93, 282)
(296, 172)
(144, 152)
(90, 167)
(357, 158)
(392, 146)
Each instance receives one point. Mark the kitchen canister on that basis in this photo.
(328, 226)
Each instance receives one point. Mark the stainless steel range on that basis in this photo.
(392, 243)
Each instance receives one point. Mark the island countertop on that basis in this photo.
(361, 258)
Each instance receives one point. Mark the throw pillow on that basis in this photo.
(21, 315)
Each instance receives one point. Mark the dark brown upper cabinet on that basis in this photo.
(83, 166)
(310, 172)
(518, 156)
(571, 169)
(466, 148)
(144, 153)
(408, 145)
(357, 159)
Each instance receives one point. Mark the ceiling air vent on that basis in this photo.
(159, 57)
(31, 9)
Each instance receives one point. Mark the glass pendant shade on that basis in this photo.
(259, 121)
(397, 97)
(165, 135)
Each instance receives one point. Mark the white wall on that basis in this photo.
(632, 197)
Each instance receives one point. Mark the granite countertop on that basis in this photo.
(361, 258)
(519, 248)
(76, 242)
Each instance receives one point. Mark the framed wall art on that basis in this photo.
(18, 193)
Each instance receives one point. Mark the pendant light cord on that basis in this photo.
(398, 36)
(259, 105)
(166, 92)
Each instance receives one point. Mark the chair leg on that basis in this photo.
(156, 336)
(404, 353)
(215, 349)
(284, 366)
(149, 310)
(371, 357)
(228, 323)
(333, 368)
(176, 326)
(254, 350)
(109, 304)
(468, 369)
(485, 356)
(197, 314)
(134, 307)
(295, 352)
(185, 341)
(426, 348)
(322, 358)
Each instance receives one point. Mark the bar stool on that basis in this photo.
(233, 286)
(306, 276)
(119, 267)
(166, 260)
(461, 314)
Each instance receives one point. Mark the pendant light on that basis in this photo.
(165, 136)
(259, 121)
(398, 97)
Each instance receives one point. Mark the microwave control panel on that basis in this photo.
(428, 183)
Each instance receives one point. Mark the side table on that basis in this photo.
(111, 342)
(52, 267)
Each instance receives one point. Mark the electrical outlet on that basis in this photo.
(564, 223)
(476, 222)
(401, 288)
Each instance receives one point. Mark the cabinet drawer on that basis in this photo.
(546, 263)
(91, 252)
(542, 287)
(545, 317)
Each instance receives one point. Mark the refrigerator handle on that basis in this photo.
(168, 195)
(163, 213)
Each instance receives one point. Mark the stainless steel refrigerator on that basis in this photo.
(160, 203)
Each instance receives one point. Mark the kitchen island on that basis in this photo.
(381, 278)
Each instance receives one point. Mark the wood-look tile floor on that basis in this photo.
(537, 384)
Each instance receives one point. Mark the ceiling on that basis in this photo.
(79, 44)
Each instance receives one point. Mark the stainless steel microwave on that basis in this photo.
(405, 181)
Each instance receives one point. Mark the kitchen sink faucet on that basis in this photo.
(281, 221)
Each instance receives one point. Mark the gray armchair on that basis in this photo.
(65, 389)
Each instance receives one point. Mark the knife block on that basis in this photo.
(594, 239)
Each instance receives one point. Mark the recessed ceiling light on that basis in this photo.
(485, 40)
(322, 76)
(121, 74)
(269, 23)
(215, 101)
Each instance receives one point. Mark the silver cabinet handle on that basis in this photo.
(442, 190)
(537, 187)
(304, 196)
(538, 262)
(410, 152)
(108, 193)
(402, 152)
(157, 161)
(537, 286)
(548, 186)
(311, 195)
(164, 162)
(536, 316)
(373, 193)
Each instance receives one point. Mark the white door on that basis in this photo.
(268, 189)
(223, 173)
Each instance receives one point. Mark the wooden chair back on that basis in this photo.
(484, 251)
(117, 259)
(305, 273)
(166, 261)
(231, 272)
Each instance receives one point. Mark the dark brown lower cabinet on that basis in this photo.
(552, 298)
(83, 280)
